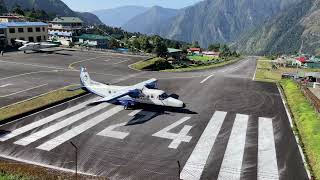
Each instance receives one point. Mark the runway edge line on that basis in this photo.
(296, 136)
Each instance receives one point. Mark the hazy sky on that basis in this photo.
(90, 5)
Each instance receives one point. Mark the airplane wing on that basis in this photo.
(112, 97)
(22, 41)
(141, 85)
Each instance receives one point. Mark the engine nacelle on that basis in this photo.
(152, 85)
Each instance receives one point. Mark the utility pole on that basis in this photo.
(76, 158)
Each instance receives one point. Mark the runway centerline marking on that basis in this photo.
(206, 79)
(6, 85)
(23, 91)
(233, 156)
(267, 159)
(51, 144)
(53, 128)
(43, 121)
(198, 158)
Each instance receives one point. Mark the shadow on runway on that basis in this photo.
(50, 52)
(149, 112)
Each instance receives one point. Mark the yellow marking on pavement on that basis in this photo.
(71, 65)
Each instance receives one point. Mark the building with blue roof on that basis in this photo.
(27, 31)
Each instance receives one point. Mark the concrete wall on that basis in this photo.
(34, 36)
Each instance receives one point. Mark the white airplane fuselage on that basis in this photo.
(35, 46)
(144, 95)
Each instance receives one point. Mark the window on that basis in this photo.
(30, 29)
(31, 39)
(38, 38)
(22, 38)
(20, 30)
(43, 29)
(44, 38)
(163, 96)
(12, 30)
(38, 29)
(152, 96)
(1, 31)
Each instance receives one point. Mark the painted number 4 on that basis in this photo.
(177, 138)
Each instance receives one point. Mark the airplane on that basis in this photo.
(26, 45)
(128, 96)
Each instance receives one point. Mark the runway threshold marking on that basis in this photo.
(53, 128)
(23, 91)
(43, 121)
(5, 85)
(198, 158)
(110, 132)
(267, 159)
(233, 157)
(51, 144)
(206, 79)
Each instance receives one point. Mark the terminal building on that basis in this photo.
(27, 31)
(65, 29)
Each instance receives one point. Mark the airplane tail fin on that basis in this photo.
(84, 77)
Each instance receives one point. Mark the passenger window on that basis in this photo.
(152, 96)
(109, 92)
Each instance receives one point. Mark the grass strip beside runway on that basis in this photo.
(144, 65)
(307, 123)
(38, 102)
(12, 170)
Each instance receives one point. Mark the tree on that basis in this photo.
(145, 44)
(160, 49)
(195, 44)
(113, 44)
(214, 47)
(18, 10)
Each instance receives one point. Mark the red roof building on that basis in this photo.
(194, 50)
(302, 59)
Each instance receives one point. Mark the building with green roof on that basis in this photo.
(93, 40)
(175, 53)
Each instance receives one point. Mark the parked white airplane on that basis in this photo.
(31, 46)
(143, 92)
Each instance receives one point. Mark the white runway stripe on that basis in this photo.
(232, 160)
(44, 132)
(135, 112)
(267, 159)
(51, 144)
(43, 121)
(197, 160)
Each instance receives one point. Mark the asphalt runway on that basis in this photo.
(232, 128)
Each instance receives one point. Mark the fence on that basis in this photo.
(314, 100)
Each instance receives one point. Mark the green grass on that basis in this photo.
(201, 58)
(202, 67)
(307, 123)
(141, 65)
(38, 102)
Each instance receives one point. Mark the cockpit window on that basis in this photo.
(163, 96)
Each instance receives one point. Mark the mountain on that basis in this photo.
(118, 16)
(153, 21)
(297, 29)
(212, 21)
(3, 8)
(56, 7)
